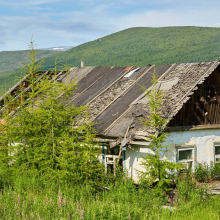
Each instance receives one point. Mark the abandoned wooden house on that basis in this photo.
(117, 101)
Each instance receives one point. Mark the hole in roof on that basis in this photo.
(131, 72)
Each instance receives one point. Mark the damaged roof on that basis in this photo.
(116, 99)
(178, 83)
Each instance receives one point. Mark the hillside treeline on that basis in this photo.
(138, 46)
(142, 46)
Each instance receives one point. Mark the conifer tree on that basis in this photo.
(156, 168)
(49, 137)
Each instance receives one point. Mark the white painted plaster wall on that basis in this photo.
(134, 159)
(203, 140)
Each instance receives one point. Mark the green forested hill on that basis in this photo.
(10, 60)
(142, 46)
(138, 46)
(10, 65)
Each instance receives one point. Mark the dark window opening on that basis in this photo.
(217, 153)
(112, 151)
(212, 92)
(110, 168)
(120, 165)
(111, 160)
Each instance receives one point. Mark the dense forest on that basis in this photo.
(142, 46)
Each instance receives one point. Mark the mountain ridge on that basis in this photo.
(141, 46)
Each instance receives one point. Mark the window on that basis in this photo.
(111, 158)
(217, 153)
(212, 93)
(186, 156)
(110, 162)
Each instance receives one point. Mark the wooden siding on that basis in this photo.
(201, 109)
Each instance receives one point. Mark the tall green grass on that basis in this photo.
(29, 198)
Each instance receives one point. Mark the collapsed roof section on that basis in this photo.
(110, 93)
(179, 83)
(116, 99)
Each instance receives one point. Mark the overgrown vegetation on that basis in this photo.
(49, 167)
(205, 173)
(28, 198)
(46, 137)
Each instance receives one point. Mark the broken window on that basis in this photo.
(212, 93)
(111, 159)
(217, 153)
(110, 163)
(185, 156)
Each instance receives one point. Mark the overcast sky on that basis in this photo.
(73, 22)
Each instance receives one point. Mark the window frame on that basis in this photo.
(186, 161)
(216, 144)
(111, 159)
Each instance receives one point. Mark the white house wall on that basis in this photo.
(202, 140)
(134, 159)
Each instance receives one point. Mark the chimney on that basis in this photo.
(82, 63)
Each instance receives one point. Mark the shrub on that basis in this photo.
(202, 173)
(215, 171)
(188, 191)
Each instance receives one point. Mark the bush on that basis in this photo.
(188, 192)
(185, 185)
(202, 173)
(215, 171)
